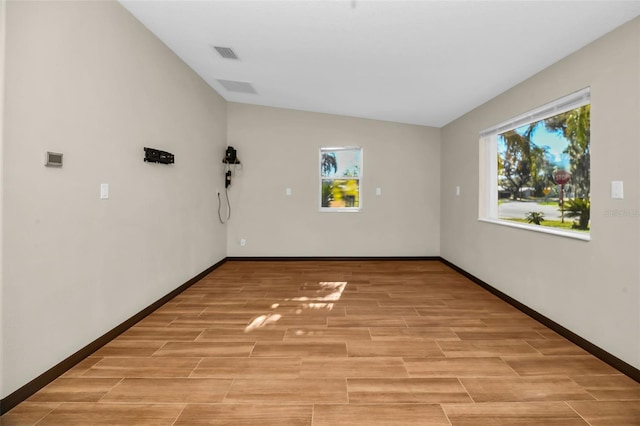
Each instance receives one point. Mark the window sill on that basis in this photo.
(340, 210)
(537, 228)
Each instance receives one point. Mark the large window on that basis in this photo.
(536, 168)
(340, 174)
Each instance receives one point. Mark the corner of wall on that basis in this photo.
(3, 12)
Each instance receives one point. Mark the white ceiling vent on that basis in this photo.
(226, 52)
(237, 86)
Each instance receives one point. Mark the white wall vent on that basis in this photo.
(238, 86)
(226, 52)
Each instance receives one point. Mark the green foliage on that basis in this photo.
(328, 163)
(353, 172)
(535, 217)
(578, 208)
(575, 126)
(327, 192)
(516, 162)
(339, 192)
(525, 164)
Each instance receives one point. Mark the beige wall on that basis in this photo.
(88, 80)
(591, 288)
(279, 149)
(2, 62)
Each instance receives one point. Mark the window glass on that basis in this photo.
(340, 173)
(541, 172)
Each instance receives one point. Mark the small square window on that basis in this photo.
(340, 175)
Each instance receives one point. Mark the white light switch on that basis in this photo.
(104, 191)
(378, 191)
(288, 191)
(457, 190)
(617, 189)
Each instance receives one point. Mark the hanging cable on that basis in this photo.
(223, 221)
(227, 168)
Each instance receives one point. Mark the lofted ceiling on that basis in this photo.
(418, 62)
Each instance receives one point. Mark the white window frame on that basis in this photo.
(358, 178)
(488, 182)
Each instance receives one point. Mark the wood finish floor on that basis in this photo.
(336, 343)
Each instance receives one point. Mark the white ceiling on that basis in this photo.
(419, 62)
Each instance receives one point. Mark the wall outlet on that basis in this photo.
(243, 242)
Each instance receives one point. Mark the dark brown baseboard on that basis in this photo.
(329, 258)
(594, 350)
(15, 398)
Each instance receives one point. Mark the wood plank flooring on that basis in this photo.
(336, 343)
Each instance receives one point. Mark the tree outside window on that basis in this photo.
(529, 160)
(535, 169)
(340, 173)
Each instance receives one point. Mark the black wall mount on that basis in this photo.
(231, 156)
(152, 155)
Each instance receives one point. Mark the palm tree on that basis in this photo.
(578, 208)
(328, 162)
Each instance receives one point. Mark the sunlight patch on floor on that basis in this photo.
(326, 293)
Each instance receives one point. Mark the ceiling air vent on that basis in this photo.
(237, 86)
(226, 52)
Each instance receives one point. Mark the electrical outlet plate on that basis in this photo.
(104, 191)
(617, 190)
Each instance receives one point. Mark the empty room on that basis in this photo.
(343, 212)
